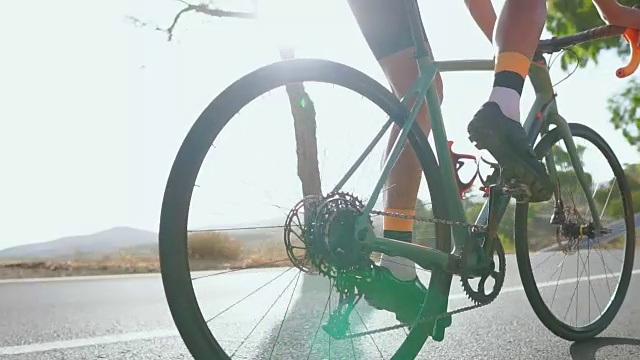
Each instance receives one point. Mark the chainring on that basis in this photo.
(479, 296)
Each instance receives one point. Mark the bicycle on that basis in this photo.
(461, 249)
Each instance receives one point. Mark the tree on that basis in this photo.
(569, 16)
(608, 192)
(562, 159)
(302, 107)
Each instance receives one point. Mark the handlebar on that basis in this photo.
(556, 44)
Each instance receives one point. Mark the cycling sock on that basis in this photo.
(401, 230)
(396, 226)
(510, 71)
(405, 236)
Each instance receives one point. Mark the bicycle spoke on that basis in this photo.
(557, 283)
(240, 269)
(251, 293)
(263, 316)
(370, 335)
(285, 315)
(326, 305)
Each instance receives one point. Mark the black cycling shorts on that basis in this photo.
(384, 24)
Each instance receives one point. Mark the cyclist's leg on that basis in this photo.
(405, 177)
(496, 126)
(384, 26)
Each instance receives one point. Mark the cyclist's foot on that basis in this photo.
(403, 298)
(507, 142)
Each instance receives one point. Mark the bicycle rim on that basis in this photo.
(174, 259)
(556, 322)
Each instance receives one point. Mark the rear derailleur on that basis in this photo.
(349, 294)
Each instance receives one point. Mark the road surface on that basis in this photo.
(126, 317)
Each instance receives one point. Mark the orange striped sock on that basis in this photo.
(510, 72)
(398, 228)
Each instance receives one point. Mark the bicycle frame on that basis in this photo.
(543, 113)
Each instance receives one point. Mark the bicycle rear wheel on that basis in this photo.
(539, 242)
(174, 257)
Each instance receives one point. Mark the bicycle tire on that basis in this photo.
(544, 314)
(174, 262)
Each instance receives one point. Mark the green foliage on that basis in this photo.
(561, 158)
(569, 16)
(508, 243)
(614, 206)
(633, 176)
(566, 17)
(506, 228)
(625, 115)
(424, 232)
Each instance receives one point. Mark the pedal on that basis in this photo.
(491, 179)
(519, 191)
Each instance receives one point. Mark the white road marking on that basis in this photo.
(75, 343)
(149, 335)
(78, 278)
(551, 283)
(97, 277)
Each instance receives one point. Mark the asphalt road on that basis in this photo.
(127, 318)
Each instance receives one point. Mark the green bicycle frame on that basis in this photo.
(543, 113)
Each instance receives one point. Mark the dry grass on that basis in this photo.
(215, 250)
(207, 251)
(213, 247)
(33, 269)
(617, 243)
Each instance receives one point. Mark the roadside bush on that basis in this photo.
(507, 243)
(614, 207)
(213, 246)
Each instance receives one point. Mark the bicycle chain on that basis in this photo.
(473, 227)
(427, 319)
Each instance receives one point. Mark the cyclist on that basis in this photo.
(495, 126)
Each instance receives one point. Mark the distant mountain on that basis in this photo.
(138, 242)
(96, 244)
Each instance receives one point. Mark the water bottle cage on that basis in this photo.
(458, 163)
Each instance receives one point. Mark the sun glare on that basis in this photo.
(289, 22)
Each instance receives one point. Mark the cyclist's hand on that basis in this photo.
(613, 13)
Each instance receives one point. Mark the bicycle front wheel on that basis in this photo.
(176, 222)
(602, 261)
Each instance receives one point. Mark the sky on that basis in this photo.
(95, 108)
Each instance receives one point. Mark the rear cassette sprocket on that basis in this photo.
(339, 252)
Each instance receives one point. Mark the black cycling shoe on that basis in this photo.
(507, 142)
(403, 298)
